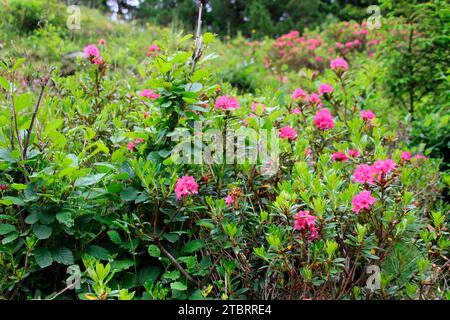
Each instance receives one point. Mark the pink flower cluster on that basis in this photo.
(185, 186)
(365, 173)
(226, 103)
(339, 156)
(149, 94)
(152, 50)
(304, 221)
(299, 93)
(133, 144)
(92, 53)
(324, 120)
(288, 132)
(339, 64)
(325, 89)
(229, 200)
(406, 156)
(363, 200)
(367, 115)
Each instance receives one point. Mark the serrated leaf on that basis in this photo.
(178, 286)
(43, 257)
(114, 236)
(98, 252)
(154, 251)
(65, 218)
(62, 255)
(42, 231)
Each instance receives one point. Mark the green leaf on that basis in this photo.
(172, 275)
(178, 286)
(65, 218)
(32, 218)
(172, 237)
(43, 257)
(6, 228)
(62, 255)
(129, 194)
(42, 231)
(10, 237)
(13, 200)
(154, 251)
(19, 186)
(98, 252)
(208, 38)
(120, 265)
(193, 246)
(114, 236)
(5, 84)
(89, 180)
(185, 38)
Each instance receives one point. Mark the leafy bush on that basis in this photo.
(92, 183)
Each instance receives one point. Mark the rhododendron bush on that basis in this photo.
(127, 172)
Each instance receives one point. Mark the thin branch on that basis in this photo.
(198, 39)
(176, 264)
(36, 109)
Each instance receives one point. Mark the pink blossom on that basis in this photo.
(364, 174)
(296, 111)
(362, 200)
(185, 185)
(229, 200)
(353, 153)
(102, 42)
(349, 44)
(319, 58)
(139, 140)
(339, 45)
(325, 88)
(406, 156)
(339, 156)
(131, 146)
(304, 221)
(288, 132)
(314, 99)
(367, 115)
(152, 50)
(307, 152)
(418, 157)
(150, 94)
(299, 93)
(383, 167)
(339, 64)
(98, 60)
(226, 103)
(91, 51)
(324, 120)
